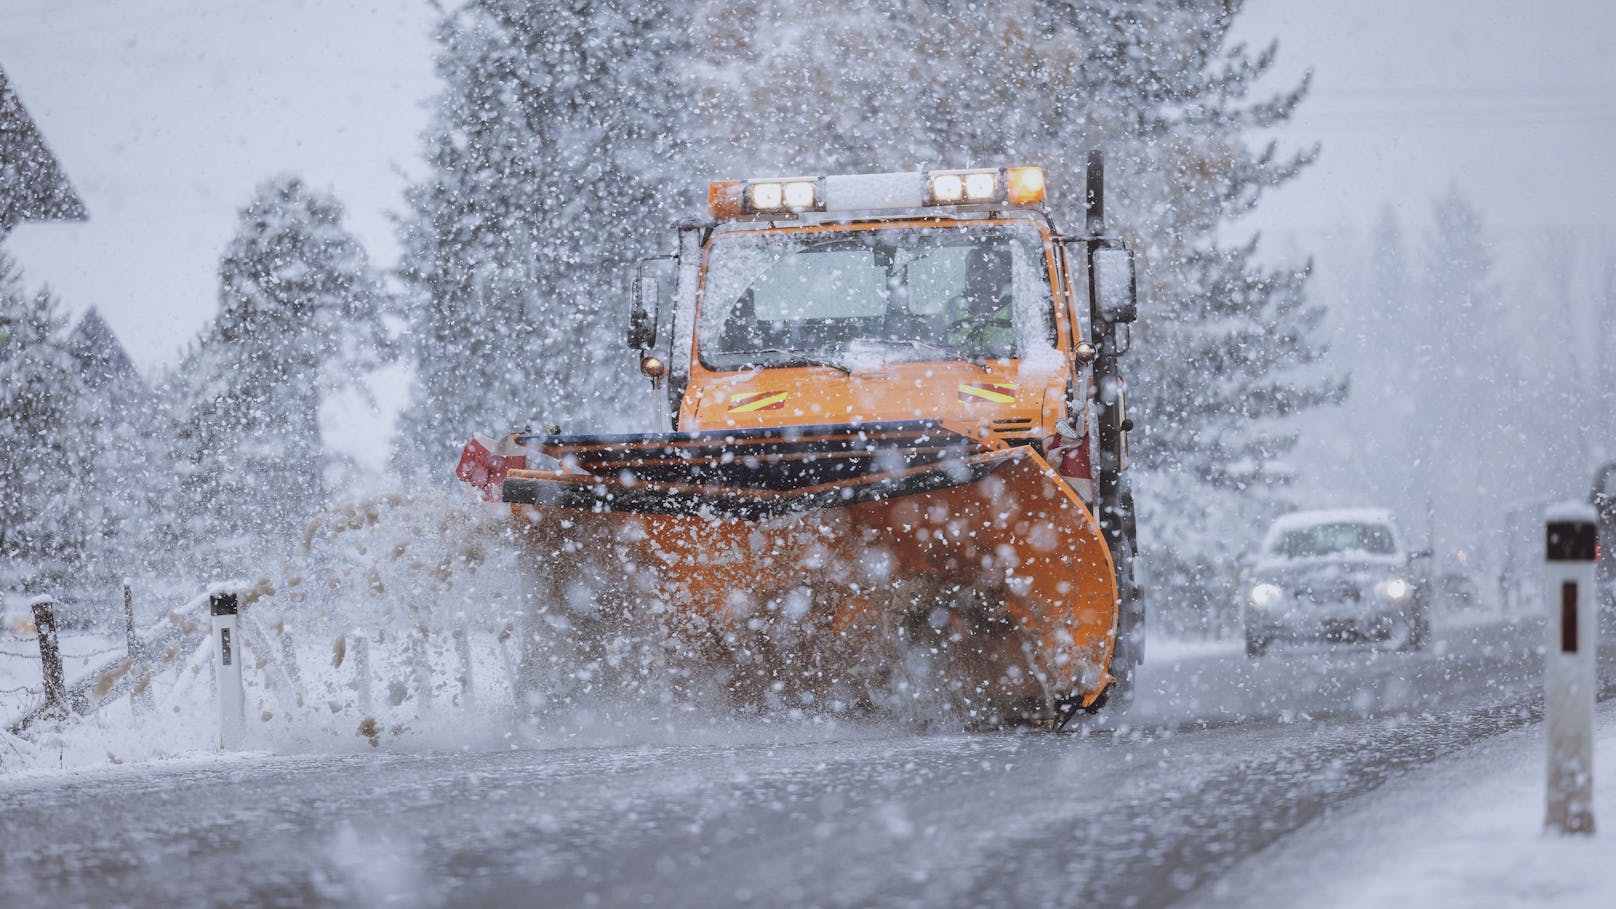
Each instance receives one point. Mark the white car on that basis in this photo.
(1334, 575)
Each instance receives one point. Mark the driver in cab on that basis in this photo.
(978, 318)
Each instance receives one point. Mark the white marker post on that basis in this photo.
(227, 666)
(1568, 666)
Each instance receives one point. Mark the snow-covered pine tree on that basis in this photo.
(300, 313)
(1226, 347)
(1461, 404)
(42, 531)
(555, 153)
(114, 414)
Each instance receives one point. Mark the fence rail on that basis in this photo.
(433, 668)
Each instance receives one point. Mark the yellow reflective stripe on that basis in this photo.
(986, 394)
(753, 400)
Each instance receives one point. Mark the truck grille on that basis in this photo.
(1334, 593)
(1008, 428)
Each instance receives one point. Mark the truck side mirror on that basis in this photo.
(642, 317)
(1111, 278)
(647, 306)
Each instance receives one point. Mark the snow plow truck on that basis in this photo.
(890, 450)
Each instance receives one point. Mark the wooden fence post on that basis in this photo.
(50, 657)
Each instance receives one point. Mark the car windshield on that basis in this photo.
(857, 298)
(1331, 539)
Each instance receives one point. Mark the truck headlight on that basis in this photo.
(1394, 589)
(1266, 595)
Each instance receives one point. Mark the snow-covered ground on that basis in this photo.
(1463, 833)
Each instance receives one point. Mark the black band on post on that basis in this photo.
(223, 603)
(1571, 541)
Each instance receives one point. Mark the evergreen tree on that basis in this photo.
(117, 492)
(299, 314)
(42, 531)
(554, 149)
(1458, 410)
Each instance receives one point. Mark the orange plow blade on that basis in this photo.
(840, 566)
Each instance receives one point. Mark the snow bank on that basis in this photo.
(397, 625)
(1463, 833)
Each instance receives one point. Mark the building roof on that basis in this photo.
(33, 186)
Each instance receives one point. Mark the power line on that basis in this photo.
(1477, 91)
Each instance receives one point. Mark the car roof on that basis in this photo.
(1315, 517)
(1334, 516)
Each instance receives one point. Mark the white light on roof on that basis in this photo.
(955, 187)
(980, 186)
(946, 188)
(799, 194)
(766, 196)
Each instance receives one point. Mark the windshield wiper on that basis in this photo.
(943, 352)
(791, 360)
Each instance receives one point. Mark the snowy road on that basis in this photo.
(1226, 757)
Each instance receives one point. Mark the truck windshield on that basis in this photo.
(860, 298)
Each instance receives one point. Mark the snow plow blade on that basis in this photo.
(843, 566)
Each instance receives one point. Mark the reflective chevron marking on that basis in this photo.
(749, 401)
(992, 392)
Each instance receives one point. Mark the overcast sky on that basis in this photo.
(166, 114)
(1514, 102)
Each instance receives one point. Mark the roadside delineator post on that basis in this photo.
(50, 656)
(1568, 666)
(227, 670)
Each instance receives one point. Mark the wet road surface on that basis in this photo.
(1220, 757)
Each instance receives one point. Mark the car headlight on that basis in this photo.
(1265, 595)
(1394, 589)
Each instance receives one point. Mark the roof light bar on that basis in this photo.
(1019, 186)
